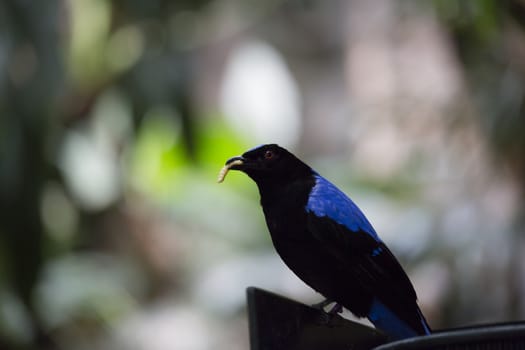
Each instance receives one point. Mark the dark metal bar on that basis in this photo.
(278, 323)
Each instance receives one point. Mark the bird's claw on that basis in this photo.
(336, 309)
(322, 304)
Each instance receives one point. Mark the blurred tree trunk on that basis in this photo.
(33, 72)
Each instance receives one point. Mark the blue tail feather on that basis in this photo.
(384, 319)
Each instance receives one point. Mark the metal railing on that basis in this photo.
(279, 323)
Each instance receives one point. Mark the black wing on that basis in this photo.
(370, 264)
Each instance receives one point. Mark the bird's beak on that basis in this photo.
(231, 164)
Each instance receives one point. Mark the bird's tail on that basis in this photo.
(395, 327)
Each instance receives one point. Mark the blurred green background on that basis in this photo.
(116, 116)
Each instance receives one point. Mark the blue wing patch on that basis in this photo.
(327, 200)
(377, 251)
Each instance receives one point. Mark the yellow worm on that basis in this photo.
(226, 168)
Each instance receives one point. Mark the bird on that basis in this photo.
(327, 241)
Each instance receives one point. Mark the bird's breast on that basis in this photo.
(285, 221)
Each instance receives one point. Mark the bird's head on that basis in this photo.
(267, 163)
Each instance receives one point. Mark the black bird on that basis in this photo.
(325, 239)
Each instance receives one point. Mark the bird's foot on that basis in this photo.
(322, 304)
(336, 309)
(327, 316)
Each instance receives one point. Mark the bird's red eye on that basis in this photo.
(268, 155)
